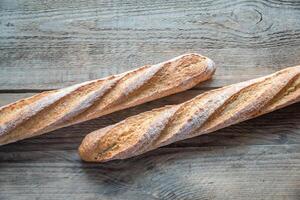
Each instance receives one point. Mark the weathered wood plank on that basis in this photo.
(238, 172)
(7, 98)
(279, 127)
(59, 43)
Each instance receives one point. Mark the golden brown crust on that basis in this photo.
(55, 109)
(203, 114)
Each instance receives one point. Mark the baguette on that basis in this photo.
(51, 110)
(203, 114)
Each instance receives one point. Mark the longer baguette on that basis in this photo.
(203, 114)
(59, 108)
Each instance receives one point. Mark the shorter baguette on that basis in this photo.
(59, 108)
(203, 114)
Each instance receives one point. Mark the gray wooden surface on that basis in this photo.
(51, 44)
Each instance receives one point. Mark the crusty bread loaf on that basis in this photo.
(54, 109)
(203, 114)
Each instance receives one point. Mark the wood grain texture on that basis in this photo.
(238, 172)
(52, 44)
(59, 43)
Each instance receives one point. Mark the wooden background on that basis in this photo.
(51, 44)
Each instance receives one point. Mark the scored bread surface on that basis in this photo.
(203, 114)
(51, 110)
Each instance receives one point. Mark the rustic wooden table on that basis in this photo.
(51, 44)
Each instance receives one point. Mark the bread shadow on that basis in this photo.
(147, 175)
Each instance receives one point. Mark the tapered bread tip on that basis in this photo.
(211, 66)
(83, 149)
(89, 147)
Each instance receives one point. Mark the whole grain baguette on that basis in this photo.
(203, 114)
(59, 108)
